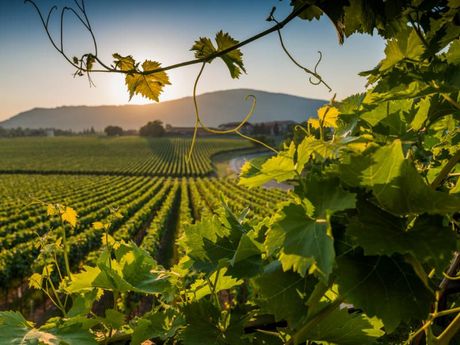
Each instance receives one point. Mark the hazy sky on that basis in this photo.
(33, 74)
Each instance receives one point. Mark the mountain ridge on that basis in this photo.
(216, 107)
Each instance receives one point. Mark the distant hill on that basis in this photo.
(216, 108)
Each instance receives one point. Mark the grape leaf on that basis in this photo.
(209, 242)
(307, 238)
(281, 293)
(344, 328)
(453, 54)
(15, 329)
(132, 270)
(70, 216)
(200, 288)
(406, 44)
(395, 182)
(204, 326)
(385, 287)
(381, 233)
(147, 85)
(114, 318)
(203, 48)
(156, 324)
(124, 63)
(233, 59)
(422, 113)
(280, 168)
(327, 117)
(328, 197)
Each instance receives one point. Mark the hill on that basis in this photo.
(216, 108)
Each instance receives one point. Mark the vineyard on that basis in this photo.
(126, 243)
(142, 188)
(130, 156)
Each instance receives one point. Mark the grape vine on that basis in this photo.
(364, 252)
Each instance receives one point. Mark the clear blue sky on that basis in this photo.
(33, 74)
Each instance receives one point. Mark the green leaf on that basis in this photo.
(147, 85)
(247, 247)
(328, 197)
(73, 334)
(132, 270)
(208, 242)
(310, 13)
(422, 113)
(280, 168)
(14, 327)
(161, 325)
(307, 238)
(453, 54)
(15, 330)
(282, 293)
(385, 287)
(83, 302)
(205, 326)
(406, 45)
(395, 182)
(200, 288)
(114, 318)
(233, 59)
(203, 48)
(345, 328)
(381, 233)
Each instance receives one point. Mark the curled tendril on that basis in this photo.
(319, 80)
(299, 127)
(314, 73)
(58, 43)
(236, 130)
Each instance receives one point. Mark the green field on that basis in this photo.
(132, 156)
(100, 184)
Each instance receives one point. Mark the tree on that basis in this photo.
(152, 129)
(113, 131)
(372, 221)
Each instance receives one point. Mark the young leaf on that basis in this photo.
(233, 59)
(279, 168)
(124, 63)
(70, 216)
(327, 116)
(147, 85)
(203, 48)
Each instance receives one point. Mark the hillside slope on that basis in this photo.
(216, 107)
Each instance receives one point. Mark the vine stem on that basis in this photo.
(451, 100)
(446, 336)
(66, 253)
(208, 58)
(446, 170)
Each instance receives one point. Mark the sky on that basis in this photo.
(33, 74)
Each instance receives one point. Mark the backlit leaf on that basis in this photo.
(70, 216)
(148, 85)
